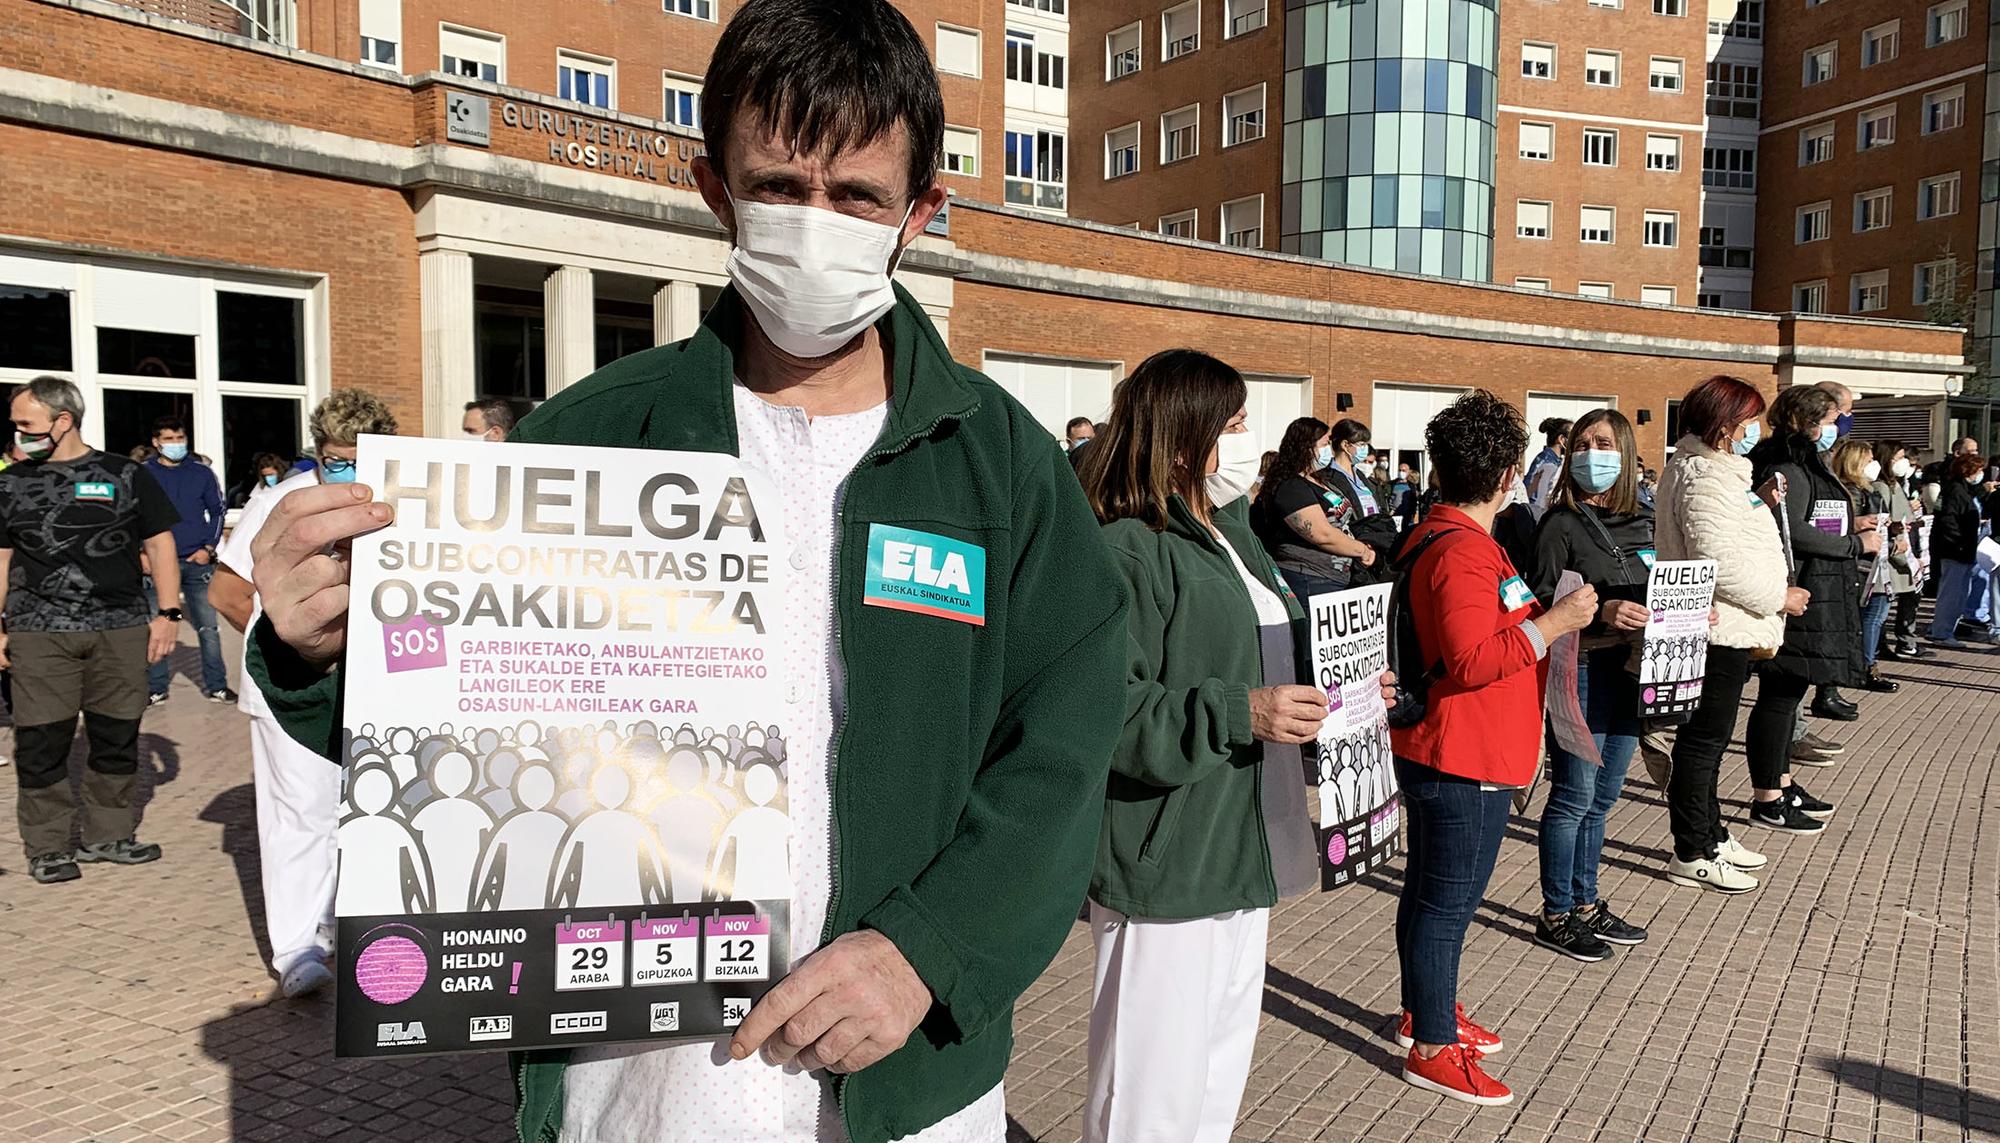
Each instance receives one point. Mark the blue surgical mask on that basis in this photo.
(1829, 435)
(1324, 457)
(270, 480)
(1845, 423)
(1752, 433)
(177, 450)
(1596, 470)
(335, 471)
(1361, 455)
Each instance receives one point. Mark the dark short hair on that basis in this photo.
(1348, 431)
(1296, 454)
(264, 460)
(1799, 410)
(498, 412)
(1711, 410)
(1165, 419)
(1075, 421)
(829, 75)
(169, 424)
(1553, 429)
(1473, 443)
(1886, 450)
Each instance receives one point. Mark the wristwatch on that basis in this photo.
(173, 613)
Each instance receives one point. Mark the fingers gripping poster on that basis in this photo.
(1359, 809)
(1674, 658)
(565, 817)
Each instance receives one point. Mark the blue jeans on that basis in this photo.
(1580, 794)
(1454, 836)
(1979, 594)
(1954, 590)
(1874, 617)
(194, 600)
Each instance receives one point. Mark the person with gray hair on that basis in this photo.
(79, 630)
(489, 419)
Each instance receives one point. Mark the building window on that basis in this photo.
(1815, 144)
(382, 33)
(1180, 134)
(1809, 297)
(471, 53)
(1243, 116)
(1179, 225)
(1035, 163)
(958, 50)
(1729, 168)
(1873, 210)
(1818, 65)
(1537, 141)
(1123, 50)
(1944, 110)
(1538, 61)
(1734, 90)
(1663, 228)
(1244, 16)
(1600, 69)
(1180, 30)
(1596, 4)
(1531, 219)
(1663, 152)
(1243, 222)
(586, 79)
(1532, 284)
(1052, 7)
(1664, 74)
(1881, 43)
(1028, 62)
(683, 101)
(1593, 289)
(1670, 7)
(1815, 222)
(1657, 295)
(1936, 282)
(1707, 302)
(1747, 24)
(1596, 225)
(381, 52)
(1870, 292)
(1877, 127)
(1945, 23)
(1600, 147)
(961, 152)
(699, 9)
(1121, 151)
(1937, 196)
(34, 329)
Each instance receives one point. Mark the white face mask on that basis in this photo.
(1237, 461)
(814, 279)
(1872, 469)
(1901, 468)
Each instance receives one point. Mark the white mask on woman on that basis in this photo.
(1901, 468)
(1872, 470)
(814, 279)
(1238, 459)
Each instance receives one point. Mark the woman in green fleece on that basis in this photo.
(1205, 822)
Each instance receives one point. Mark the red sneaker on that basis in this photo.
(1469, 1034)
(1455, 1074)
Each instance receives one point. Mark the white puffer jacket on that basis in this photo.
(1706, 510)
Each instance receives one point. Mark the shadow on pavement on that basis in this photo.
(1283, 994)
(1936, 1098)
(235, 810)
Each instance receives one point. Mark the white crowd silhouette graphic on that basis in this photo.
(533, 817)
(1674, 660)
(1356, 774)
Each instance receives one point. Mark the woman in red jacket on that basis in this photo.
(1484, 638)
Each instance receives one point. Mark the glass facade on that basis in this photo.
(1390, 112)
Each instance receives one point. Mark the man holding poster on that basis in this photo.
(950, 641)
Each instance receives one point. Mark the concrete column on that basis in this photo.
(569, 310)
(446, 308)
(676, 311)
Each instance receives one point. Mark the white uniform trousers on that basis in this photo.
(1173, 1022)
(298, 813)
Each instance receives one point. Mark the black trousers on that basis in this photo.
(1906, 618)
(1699, 744)
(1772, 721)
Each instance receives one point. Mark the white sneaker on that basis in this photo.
(1710, 873)
(305, 978)
(1735, 854)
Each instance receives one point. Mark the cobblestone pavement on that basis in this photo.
(1855, 997)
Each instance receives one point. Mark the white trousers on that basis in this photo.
(1173, 1022)
(298, 813)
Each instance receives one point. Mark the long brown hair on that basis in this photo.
(1165, 418)
(1623, 496)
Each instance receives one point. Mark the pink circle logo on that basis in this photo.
(391, 970)
(1336, 848)
(1648, 694)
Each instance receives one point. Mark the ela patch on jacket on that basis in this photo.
(1514, 594)
(96, 491)
(1647, 556)
(926, 574)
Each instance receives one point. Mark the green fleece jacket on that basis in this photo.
(969, 771)
(1184, 832)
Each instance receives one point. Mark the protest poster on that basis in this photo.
(1359, 810)
(1829, 516)
(1674, 658)
(564, 818)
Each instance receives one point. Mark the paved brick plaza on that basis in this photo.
(1856, 996)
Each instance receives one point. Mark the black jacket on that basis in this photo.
(1956, 534)
(1568, 541)
(1823, 645)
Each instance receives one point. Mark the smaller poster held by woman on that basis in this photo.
(1359, 811)
(1674, 658)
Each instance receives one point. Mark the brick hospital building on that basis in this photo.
(227, 208)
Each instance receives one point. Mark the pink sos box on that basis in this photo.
(416, 644)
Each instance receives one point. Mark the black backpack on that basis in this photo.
(1414, 671)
